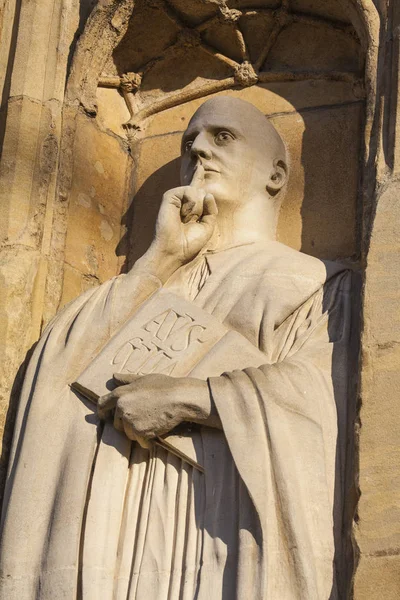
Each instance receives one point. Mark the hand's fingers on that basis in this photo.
(106, 404)
(125, 378)
(192, 205)
(198, 177)
(118, 420)
(129, 430)
(131, 434)
(143, 442)
(209, 206)
(191, 218)
(187, 208)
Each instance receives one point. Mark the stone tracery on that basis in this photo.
(247, 65)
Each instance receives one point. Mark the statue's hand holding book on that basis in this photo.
(163, 351)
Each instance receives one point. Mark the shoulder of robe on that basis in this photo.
(283, 262)
(287, 276)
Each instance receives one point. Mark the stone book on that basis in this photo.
(172, 336)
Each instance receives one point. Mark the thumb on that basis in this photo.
(125, 378)
(210, 210)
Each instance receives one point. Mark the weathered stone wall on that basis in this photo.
(36, 41)
(98, 197)
(378, 515)
(377, 523)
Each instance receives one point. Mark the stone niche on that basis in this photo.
(301, 62)
(140, 70)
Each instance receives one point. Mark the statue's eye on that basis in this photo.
(187, 145)
(223, 137)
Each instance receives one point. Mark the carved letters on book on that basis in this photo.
(167, 335)
(172, 336)
(160, 343)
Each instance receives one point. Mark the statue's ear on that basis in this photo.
(278, 177)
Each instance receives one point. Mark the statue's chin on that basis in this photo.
(221, 192)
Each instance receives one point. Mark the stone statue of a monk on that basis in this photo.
(89, 512)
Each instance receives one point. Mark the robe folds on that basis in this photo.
(89, 515)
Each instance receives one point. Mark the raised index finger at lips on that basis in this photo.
(198, 177)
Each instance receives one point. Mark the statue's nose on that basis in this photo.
(200, 148)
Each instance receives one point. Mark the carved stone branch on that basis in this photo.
(244, 74)
(282, 19)
(213, 52)
(109, 81)
(135, 124)
(242, 44)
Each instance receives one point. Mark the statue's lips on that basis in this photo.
(211, 171)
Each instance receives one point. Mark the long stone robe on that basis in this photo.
(89, 515)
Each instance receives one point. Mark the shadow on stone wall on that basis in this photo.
(140, 218)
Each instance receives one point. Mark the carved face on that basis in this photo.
(237, 147)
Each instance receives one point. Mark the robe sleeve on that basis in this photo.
(54, 444)
(280, 422)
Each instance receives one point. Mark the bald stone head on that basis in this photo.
(241, 152)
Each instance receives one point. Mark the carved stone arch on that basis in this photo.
(112, 24)
(104, 29)
(108, 24)
(110, 33)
